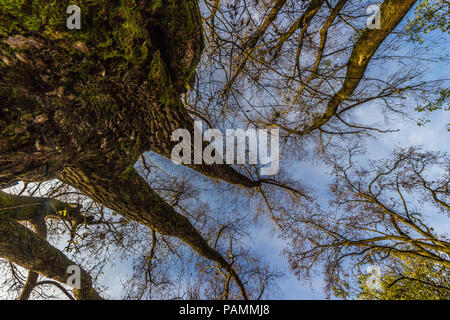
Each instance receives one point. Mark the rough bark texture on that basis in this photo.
(83, 105)
(31, 251)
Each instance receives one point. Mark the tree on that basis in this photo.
(82, 106)
(96, 130)
(429, 16)
(31, 250)
(307, 68)
(376, 221)
(411, 279)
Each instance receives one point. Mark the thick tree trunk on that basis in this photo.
(40, 228)
(35, 211)
(130, 195)
(111, 89)
(83, 105)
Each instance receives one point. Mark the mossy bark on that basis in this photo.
(110, 89)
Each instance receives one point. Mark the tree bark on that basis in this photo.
(110, 89)
(40, 228)
(128, 194)
(83, 105)
(25, 248)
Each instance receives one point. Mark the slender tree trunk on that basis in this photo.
(392, 12)
(40, 228)
(129, 194)
(25, 248)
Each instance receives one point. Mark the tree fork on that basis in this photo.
(128, 194)
(69, 95)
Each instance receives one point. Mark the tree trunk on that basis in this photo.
(83, 105)
(25, 248)
(130, 195)
(111, 89)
